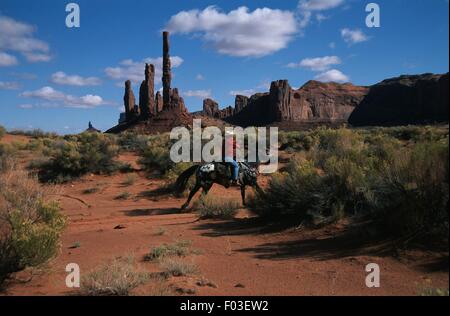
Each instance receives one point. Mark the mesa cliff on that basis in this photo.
(417, 99)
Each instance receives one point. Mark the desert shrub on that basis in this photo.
(7, 154)
(176, 267)
(130, 180)
(91, 190)
(295, 192)
(401, 186)
(123, 196)
(428, 291)
(116, 278)
(412, 193)
(2, 131)
(88, 153)
(213, 207)
(35, 133)
(132, 142)
(156, 158)
(295, 141)
(31, 227)
(178, 248)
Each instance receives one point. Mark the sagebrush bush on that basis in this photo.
(401, 185)
(412, 191)
(116, 278)
(30, 226)
(35, 133)
(156, 158)
(129, 141)
(178, 248)
(2, 131)
(214, 207)
(7, 154)
(84, 153)
(176, 267)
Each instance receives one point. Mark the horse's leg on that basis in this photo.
(206, 189)
(243, 195)
(191, 195)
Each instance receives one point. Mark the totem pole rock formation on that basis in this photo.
(176, 101)
(159, 102)
(167, 73)
(147, 93)
(129, 101)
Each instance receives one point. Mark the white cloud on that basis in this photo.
(319, 5)
(9, 85)
(317, 64)
(332, 45)
(201, 94)
(321, 17)
(24, 75)
(36, 58)
(16, 36)
(247, 93)
(332, 75)
(263, 86)
(7, 60)
(239, 32)
(25, 106)
(306, 9)
(200, 77)
(74, 80)
(67, 100)
(134, 70)
(353, 36)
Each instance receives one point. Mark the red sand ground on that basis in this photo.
(241, 257)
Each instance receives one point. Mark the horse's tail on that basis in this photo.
(181, 183)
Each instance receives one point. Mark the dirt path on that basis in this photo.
(240, 257)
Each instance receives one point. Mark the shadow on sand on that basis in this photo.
(318, 244)
(152, 212)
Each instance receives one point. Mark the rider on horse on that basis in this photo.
(230, 147)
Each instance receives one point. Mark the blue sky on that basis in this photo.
(58, 78)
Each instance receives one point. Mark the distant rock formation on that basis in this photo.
(418, 99)
(176, 101)
(129, 102)
(326, 101)
(147, 93)
(240, 103)
(92, 129)
(211, 108)
(159, 104)
(227, 112)
(167, 72)
(313, 102)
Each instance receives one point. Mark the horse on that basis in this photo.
(218, 172)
